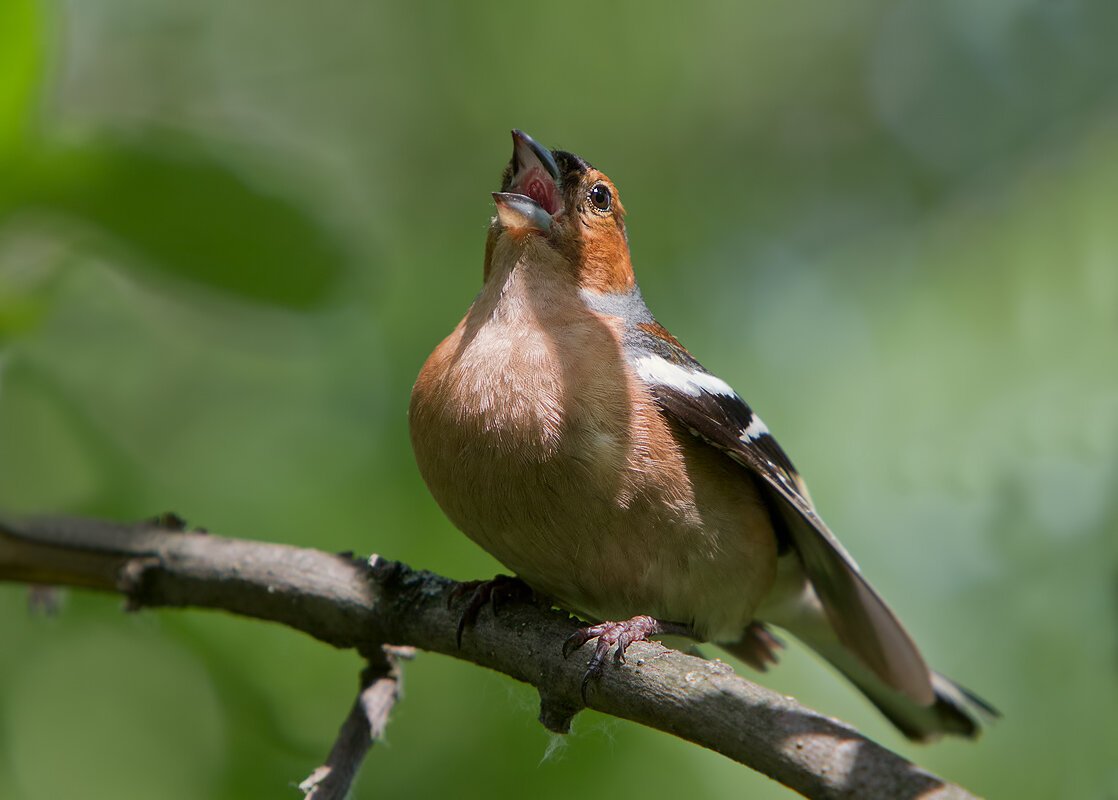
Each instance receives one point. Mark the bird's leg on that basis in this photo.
(758, 647)
(498, 589)
(622, 634)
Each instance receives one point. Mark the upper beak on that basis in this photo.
(527, 153)
(533, 195)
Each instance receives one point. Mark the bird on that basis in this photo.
(570, 435)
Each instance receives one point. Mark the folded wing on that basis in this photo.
(708, 408)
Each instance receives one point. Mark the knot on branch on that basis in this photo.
(134, 580)
(556, 712)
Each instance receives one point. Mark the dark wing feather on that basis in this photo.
(861, 619)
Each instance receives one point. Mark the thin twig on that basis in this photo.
(365, 724)
(349, 603)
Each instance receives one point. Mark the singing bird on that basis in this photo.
(569, 434)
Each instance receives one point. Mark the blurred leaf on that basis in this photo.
(55, 452)
(18, 315)
(31, 271)
(170, 743)
(20, 64)
(180, 211)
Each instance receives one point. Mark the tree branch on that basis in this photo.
(353, 604)
(380, 688)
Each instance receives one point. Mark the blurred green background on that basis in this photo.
(231, 232)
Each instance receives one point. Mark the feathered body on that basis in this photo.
(563, 467)
(571, 436)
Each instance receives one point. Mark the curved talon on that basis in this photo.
(758, 647)
(595, 667)
(575, 641)
(469, 617)
(621, 634)
(623, 642)
(482, 593)
(456, 591)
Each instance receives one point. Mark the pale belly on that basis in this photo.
(540, 444)
(602, 520)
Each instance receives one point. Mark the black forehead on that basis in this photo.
(570, 165)
(571, 169)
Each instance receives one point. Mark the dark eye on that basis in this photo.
(600, 197)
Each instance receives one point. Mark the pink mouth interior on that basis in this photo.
(538, 185)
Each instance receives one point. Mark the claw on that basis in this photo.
(621, 634)
(469, 617)
(623, 642)
(595, 667)
(481, 593)
(758, 647)
(575, 641)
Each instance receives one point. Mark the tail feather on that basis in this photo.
(955, 711)
(857, 614)
(952, 709)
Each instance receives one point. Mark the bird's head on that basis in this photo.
(555, 200)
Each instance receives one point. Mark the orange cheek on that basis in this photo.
(605, 265)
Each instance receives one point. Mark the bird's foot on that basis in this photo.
(621, 634)
(493, 592)
(758, 647)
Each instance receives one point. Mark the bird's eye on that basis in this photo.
(600, 197)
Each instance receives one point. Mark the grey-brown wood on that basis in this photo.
(352, 603)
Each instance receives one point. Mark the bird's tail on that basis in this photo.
(953, 710)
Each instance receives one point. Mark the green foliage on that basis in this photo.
(20, 68)
(231, 232)
(172, 208)
(163, 202)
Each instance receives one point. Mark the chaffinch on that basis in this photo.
(574, 438)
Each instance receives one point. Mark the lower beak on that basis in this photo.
(518, 212)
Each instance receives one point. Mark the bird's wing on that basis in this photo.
(709, 409)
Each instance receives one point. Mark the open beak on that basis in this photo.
(517, 211)
(533, 197)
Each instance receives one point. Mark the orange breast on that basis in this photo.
(540, 443)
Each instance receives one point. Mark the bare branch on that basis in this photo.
(380, 688)
(351, 604)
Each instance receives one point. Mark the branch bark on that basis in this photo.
(380, 689)
(351, 603)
